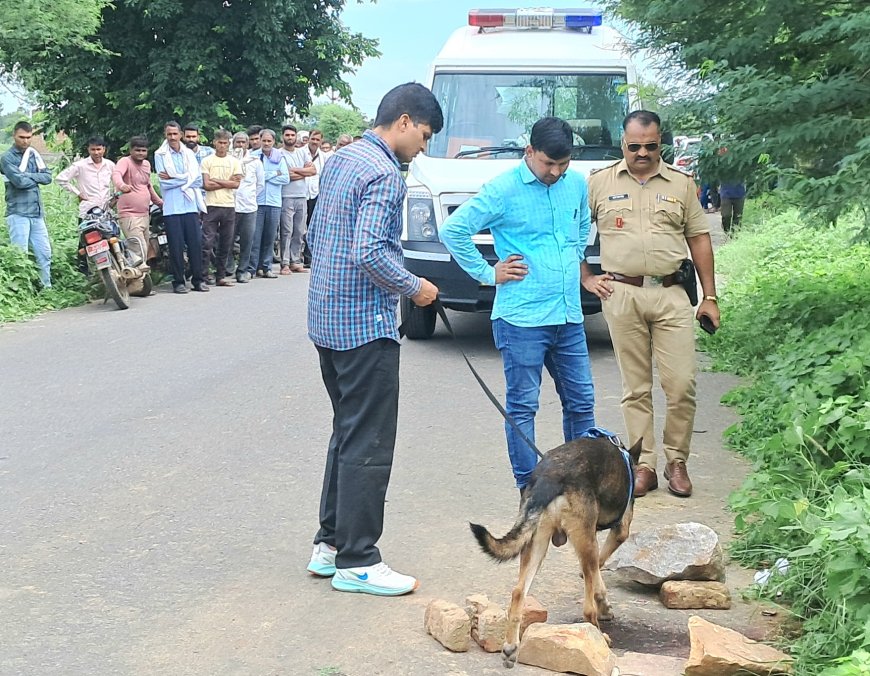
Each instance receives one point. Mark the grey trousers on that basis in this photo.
(293, 229)
(363, 385)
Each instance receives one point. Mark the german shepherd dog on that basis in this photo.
(580, 487)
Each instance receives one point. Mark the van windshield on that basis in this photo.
(488, 115)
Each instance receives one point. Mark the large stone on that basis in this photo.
(533, 612)
(718, 651)
(448, 624)
(688, 594)
(474, 604)
(644, 664)
(685, 551)
(490, 628)
(577, 648)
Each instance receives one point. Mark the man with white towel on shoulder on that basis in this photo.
(181, 185)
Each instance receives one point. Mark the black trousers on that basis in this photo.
(363, 385)
(184, 230)
(218, 226)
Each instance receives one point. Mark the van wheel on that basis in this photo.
(419, 322)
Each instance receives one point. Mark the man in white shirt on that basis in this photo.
(253, 183)
(294, 198)
(317, 158)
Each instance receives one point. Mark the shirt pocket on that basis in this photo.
(614, 216)
(668, 216)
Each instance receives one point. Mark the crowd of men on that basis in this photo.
(250, 187)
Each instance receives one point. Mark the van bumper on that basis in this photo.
(457, 290)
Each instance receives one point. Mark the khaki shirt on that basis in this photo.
(643, 227)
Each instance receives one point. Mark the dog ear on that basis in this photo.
(634, 451)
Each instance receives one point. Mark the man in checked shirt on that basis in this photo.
(357, 276)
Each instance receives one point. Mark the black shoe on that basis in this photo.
(179, 289)
(201, 286)
(210, 280)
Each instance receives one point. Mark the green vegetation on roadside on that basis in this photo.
(20, 293)
(796, 325)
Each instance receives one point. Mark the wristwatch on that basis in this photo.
(713, 298)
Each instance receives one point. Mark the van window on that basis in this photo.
(497, 110)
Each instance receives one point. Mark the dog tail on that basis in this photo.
(508, 547)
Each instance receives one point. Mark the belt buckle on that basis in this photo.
(653, 281)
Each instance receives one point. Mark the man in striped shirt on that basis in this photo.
(357, 278)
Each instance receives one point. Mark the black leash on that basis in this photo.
(439, 308)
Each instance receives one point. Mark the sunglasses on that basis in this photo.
(634, 147)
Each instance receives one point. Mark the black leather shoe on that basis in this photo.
(645, 480)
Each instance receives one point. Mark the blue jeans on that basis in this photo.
(268, 219)
(524, 352)
(24, 230)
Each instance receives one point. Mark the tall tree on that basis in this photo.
(214, 63)
(333, 120)
(788, 82)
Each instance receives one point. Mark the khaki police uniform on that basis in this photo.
(643, 229)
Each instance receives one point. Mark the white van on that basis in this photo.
(494, 78)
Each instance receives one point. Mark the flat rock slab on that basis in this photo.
(683, 551)
(568, 648)
(718, 651)
(448, 624)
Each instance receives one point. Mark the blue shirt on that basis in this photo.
(357, 265)
(732, 191)
(547, 225)
(22, 187)
(276, 174)
(175, 201)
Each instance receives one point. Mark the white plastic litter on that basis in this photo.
(780, 567)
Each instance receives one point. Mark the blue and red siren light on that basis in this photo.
(539, 17)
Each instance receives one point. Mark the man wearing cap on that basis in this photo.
(649, 218)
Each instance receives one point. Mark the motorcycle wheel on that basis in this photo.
(115, 286)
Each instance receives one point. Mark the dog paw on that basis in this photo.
(605, 613)
(509, 655)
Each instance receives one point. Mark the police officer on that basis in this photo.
(647, 213)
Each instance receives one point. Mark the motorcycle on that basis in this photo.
(119, 262)
(158, 249)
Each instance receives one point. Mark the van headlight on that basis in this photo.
(421, 218)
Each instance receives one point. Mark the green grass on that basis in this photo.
(20, 294)
(795, 324)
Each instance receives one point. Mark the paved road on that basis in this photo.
(159, 477)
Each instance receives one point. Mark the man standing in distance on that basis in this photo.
(293, 200)
(24, 171)
(221, 175)
(89, 179)
(315, 158)
(254, 137)
(268, 204)
(246, 204)
(647, 214)
(132, 177)
(191, 140)
(357, 278)
(539, 217)
(181, 185)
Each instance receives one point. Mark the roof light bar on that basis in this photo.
(539, 17)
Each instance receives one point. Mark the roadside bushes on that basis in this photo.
(796, 323)
(20, 293)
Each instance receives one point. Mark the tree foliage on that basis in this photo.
(214, 63)
(788, 82)
(334, 119)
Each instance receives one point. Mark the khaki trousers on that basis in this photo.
(647, 322)
(138, 226)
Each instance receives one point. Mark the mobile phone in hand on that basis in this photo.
(707, 324)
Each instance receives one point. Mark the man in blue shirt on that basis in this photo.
(538, 214)
(181, 186)
(357, 276)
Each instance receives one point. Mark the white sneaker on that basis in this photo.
(378, 579)
(322, 560)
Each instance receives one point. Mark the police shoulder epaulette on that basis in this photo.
(609, 166)
(684, 172)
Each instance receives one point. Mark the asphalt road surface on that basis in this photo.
(159, 478)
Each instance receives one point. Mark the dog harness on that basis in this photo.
(601, 433)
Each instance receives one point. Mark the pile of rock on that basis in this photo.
(685, 561)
